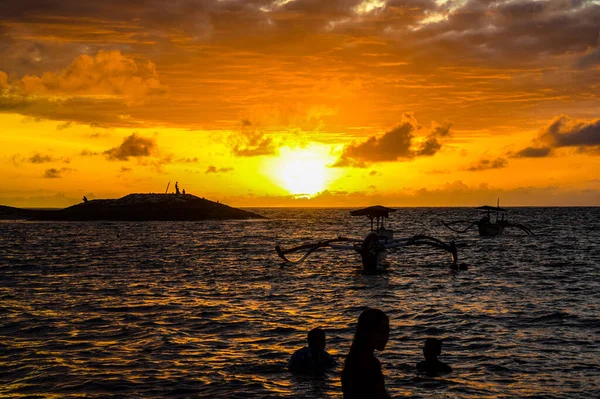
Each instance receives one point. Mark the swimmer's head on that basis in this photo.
(316, 339)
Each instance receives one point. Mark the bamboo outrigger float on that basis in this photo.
(485, 225)
(373, 247)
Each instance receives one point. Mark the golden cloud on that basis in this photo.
(109, 73)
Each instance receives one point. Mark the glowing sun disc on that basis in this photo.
(302, 172)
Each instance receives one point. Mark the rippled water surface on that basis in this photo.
(204, 309)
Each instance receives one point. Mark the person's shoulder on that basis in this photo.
(444, 368)
(298, 360)
(422, 365)
(301, 353)
(305, 349)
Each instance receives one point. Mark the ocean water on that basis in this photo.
(205, 310)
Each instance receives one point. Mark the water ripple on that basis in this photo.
(204, 309)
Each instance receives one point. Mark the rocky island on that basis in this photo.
(136, 207)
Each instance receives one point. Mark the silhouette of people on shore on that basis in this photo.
(312, 359)
(362, 376)
(85, 199)
(431, 366)
(177, 188)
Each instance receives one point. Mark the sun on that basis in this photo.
(303, 173)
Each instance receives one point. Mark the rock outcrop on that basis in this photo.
(137, 207)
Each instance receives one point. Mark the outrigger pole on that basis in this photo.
(374, 245)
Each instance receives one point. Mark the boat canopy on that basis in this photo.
(490, 208)
(371, 212)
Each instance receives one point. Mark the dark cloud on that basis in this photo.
(428, 147)
(96, 112)
(36, 158)
(64, 126)
(485, 164)
(88, 153)
(589, 59)
(507, 31)
(214, 169)
(392, 145)
(132, 146)
(563, 131)
(251, 141)
(532, 152)
(398, 144)
(39, 158)
(187, 160)
(54, 173)
(491, 29)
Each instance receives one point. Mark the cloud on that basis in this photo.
(563, 131)
(54, 173)
(400, 143)
(498, 30)
(36, 158)
(438, 172)
(519, 43)
(589, 59)
(88, 153)
(64, 126)
(187, 160)
(92, 90)
(132, 146)
(532, 152)
(502, 31)
(485, 164)
(214, 169)
(251, 141)
(39, 158)
(107, 73)
(455, 193)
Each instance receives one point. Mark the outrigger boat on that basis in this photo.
(485, 225)
(373, 247)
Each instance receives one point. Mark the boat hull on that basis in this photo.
(487, 229)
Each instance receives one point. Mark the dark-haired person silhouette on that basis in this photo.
(362, 377)
(431, 365)
(312, 359)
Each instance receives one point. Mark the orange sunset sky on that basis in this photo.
(301, 102)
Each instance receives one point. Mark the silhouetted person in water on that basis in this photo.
(183, 191)
(362, 377)
(312, 359)
(85, 199)
(431, 365)
(177, 188)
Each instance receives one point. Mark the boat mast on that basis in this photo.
(497, 209)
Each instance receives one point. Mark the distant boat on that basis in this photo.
(485, 225)
(373, 247)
